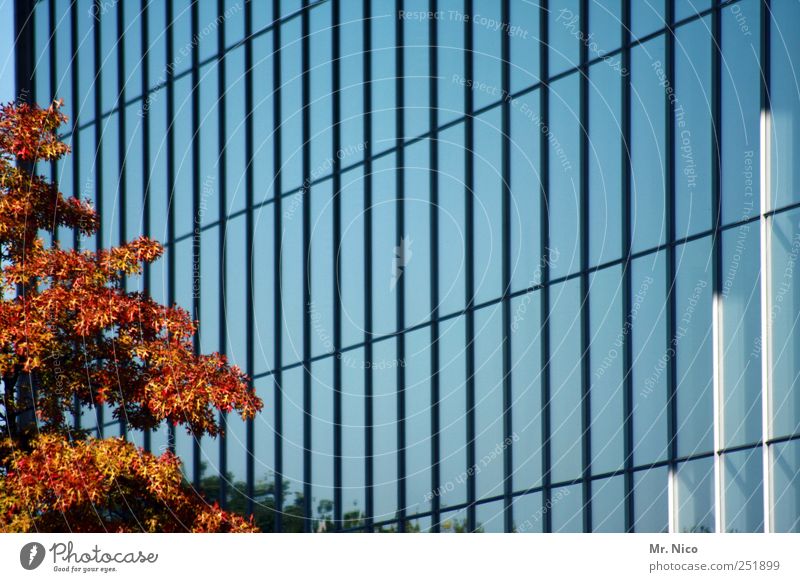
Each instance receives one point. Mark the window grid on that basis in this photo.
(547, 487)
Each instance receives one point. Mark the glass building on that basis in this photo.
(492, 266)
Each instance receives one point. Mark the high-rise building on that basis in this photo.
(493, 266)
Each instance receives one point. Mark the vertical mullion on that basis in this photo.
(586, 448)
(433, 118)
(469, 274)
(170, 88)
(544, 233)
(223, 231)
(250, 187)
(278, 375)
(400, 221)
(337, 237)
(306, 161)
(121, 152)
(147, 273)
(627, 356)
(669, 146)
(368, 389)
(766, 254)
(716, 92)
(506, 268)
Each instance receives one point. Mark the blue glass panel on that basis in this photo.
(384, 402)
(605, 164)
(452, 412)
(489, 448)
(647, 145)
(452, 235)
(525, 184)
(649, 342)
(693, 128)
(565, 380)
(785, 106)
(526, 391)
(607, 341)
(695, 496)
(692, 347)
(741, 335)
(608, 505)
(566, 506)
(743, 491)
(412, 263)
(740, 111)
(418, 420)
(565, 32)
(563, 199)
(650, 505)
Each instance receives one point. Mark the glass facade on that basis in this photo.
(492, 266)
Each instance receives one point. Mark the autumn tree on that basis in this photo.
(71, 335)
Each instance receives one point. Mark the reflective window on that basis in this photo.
(741, 335)
(526, 391)
(646, 17)
(412, 260)
(786, 487)
(292, 274)
(563, 198)
(566, 506)
(385, 444)
(322, 395)
(784, 313)
(486, 56)
(417, 78)
(293, 447)
(605, 26)
(291, 95)
(650, 505)
(523, 34)
(452, 412)
(452, 229)
(605, 164)
(564, 32)
(695, 496)
(351, 258)
(692, 124)
(565, 380)
(321, 277)
(528, 513)
(743, 491)
(647, 144)
(390, 249)
(689, 8)
(740, 111)
(785, 106)
(383, 72)
(489, 401)
(488, 215)
(353, 434)
(525, 185)
(450, 56)
(489, 517)
(691, 346)
(648, 316)
(418, 420)
(608, 505)
(607, 337)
